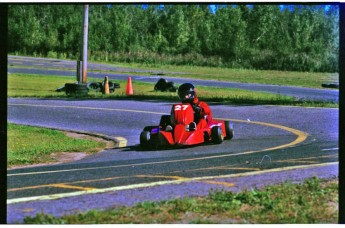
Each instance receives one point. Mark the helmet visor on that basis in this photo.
(187, 96)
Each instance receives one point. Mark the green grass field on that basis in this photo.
(32, 145)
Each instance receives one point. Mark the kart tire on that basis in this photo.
(229, 129)
(206, 138)
(94, 86)
(145, 139)
(216, 135)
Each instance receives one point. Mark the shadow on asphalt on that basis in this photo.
(138, 148)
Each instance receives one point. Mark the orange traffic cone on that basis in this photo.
(106, 85)
(129, 89)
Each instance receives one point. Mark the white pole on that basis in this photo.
(85, 39)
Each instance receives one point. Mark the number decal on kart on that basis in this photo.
(180, 107)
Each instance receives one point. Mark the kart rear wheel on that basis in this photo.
(145, 139)
(229, 129)
(216, 135)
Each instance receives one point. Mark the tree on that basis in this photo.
(297, 37)
(177, 29)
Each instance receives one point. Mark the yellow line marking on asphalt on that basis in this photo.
(74, 182)
(61, 185)
(301, 160)
(218, 168)
(159, 183)
(72, 187)
(162, 176)
(29, 187)
(296, 161)
(301, 136)
(227, 184)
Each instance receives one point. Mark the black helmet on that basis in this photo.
(186, 93)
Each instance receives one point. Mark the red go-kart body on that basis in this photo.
(178, 129)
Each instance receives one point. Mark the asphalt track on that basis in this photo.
(272, 144)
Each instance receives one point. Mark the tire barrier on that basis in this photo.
(76, 89)
(164, 86)
(83, 89)
(330, 85)
(98, 86)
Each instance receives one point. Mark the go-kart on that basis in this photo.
(179, 129)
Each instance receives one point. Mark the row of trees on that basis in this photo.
(300, 38)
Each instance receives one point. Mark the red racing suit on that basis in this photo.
(201, 110)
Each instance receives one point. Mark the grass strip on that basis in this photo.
(40, 86)
(28, 145)
(314, 201)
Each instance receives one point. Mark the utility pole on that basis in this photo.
(85, 39)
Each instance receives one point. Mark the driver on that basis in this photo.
(187, 94)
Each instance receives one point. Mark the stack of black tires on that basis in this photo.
(99, 86)
(164, 86)
(76, 89)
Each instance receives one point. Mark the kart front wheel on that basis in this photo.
(145, 139)
(216, 135)
(229, 129)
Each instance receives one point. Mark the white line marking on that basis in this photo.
(330, 149)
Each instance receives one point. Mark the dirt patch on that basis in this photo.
(109, 144)
(61, 157)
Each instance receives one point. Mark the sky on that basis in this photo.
(213, 7)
